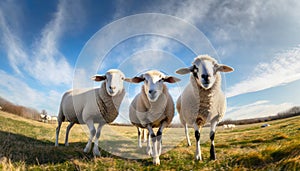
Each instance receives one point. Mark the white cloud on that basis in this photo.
(283, 69)
(44, 61)
(255, 110)
(18, 92)
(15, 51)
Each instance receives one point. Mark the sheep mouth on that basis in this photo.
(112, 93)
(152, 98)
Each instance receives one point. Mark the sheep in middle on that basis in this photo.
(152, 108)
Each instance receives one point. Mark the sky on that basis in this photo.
(49, 47)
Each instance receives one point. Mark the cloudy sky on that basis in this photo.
(48, 47)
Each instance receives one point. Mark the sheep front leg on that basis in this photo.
(212, 137)
(67, 133)
(186, 130)
(139, 137)
(96, 151)
(92, 129)
(155, 155)
(144, 136)
(149, 147)
(57, 132)
(197, 136)
(159, 137)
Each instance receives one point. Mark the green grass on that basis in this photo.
(29, 145)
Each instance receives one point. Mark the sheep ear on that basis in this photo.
(99, 77)
(135, 79)
(171, 79)
(183, 71)
(224, 68)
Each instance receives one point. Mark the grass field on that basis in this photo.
(29, 145)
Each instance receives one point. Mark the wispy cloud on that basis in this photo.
(256, 109)
(11, 43)
(50, 65)
(42, 60)
(284, 68)
(17, 91)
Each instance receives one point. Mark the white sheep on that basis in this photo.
(229, 126)
(202, 100)
(98, 105)
(152, 108)
(45, 118)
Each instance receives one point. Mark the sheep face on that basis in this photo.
(114, 81)
(204, 69)
(153, 83)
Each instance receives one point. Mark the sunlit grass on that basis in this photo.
(29, 145)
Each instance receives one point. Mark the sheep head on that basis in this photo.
(204, 68)
(153, 83)
(114, 81)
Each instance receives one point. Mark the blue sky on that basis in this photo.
(43, 43)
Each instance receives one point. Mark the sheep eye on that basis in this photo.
(195, 69)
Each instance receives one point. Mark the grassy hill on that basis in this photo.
(29, 145)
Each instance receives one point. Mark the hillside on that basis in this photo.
(29, 145)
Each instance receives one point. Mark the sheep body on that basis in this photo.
(143, 112)
(202, 100)
(197, 104)
(89, 106)
(79, 105)
(153, 107)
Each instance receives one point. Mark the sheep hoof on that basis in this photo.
(156, 161)
(96, 152)
(66, 144)
(56, 145)
(87, 149)
(198, 157)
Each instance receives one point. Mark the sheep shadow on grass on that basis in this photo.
(20, 148)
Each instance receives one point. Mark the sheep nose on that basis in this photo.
(112, 87)
(152, 91)
(205, 77)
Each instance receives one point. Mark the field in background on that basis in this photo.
(29, 145)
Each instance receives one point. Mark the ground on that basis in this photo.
(29, 145)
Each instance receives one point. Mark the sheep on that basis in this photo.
(202, 100)
(45, 118)
(229, 126)
(152, 108)
(97, 105)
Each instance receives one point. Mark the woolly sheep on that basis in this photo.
(152, 108)
(202, 100)
(228, 126)
(98, 105)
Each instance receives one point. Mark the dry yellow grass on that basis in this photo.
(29, 145)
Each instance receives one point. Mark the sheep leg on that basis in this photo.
(92, 129)
(139, 137)
(186, 130)
(159, 137)
(67, 133)
(144, 136)
(197, 136)
(96, 151)
(155, 155)
(149, 147)
(212, 137)
(57, 132)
